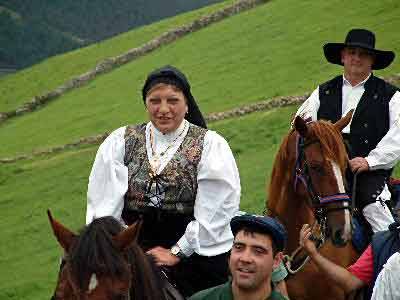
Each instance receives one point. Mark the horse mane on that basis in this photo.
(332, 146)
(149, 283)
(280, 178)
(95, 252)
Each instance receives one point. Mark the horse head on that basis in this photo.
(307, 182)
(105, 262)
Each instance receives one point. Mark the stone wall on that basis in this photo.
(264, 105)
(213, 117)
(110, 64)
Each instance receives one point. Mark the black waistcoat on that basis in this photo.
(371, 117)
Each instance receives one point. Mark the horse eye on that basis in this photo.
(318, 169)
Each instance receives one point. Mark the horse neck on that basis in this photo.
(295, 215)
(147, 281)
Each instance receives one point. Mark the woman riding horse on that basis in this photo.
(178, 177)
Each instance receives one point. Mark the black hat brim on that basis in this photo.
(382, 60)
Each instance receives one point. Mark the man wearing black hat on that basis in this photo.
(256, 251)
(373, 134)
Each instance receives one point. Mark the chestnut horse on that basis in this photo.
(104, 262)
(307, 186)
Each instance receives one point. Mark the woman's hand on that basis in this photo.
(163, 256)
(305, 242)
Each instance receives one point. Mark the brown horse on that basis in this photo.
(307, 186)
(104, 262)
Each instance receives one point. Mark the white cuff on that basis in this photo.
(378, 216)
(185, 246)
(372, 163)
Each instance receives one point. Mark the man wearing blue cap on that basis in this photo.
(256, 252)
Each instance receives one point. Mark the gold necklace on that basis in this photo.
(155, 159)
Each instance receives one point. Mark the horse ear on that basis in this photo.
(129, 235)
(342, 123)
(301, 126)
(65, 237)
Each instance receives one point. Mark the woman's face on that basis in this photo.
(166, 106)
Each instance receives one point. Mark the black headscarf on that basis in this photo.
(172, 76)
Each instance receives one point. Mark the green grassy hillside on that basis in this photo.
(272, 50)
(20, 87)
(29, 253)
(254, 55)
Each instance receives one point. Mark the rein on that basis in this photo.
(289, 259)
(302, 174)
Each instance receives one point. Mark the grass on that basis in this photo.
(251, 56)
(29, 252)
(20, 87)
(29, 255)
(272, 50)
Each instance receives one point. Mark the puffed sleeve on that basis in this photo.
(388, 282)
(387, 152)
(217, 200)
(108, 180)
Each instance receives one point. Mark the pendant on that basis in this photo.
(155, 165)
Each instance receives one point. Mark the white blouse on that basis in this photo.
(387, 285)
(218, 193)
(387, 152)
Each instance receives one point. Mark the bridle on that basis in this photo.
(302, 174)
(318, 203)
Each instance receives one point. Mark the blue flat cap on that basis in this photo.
(263, 224)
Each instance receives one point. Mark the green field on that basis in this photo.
(29, 257)
(20, 87)
(251, 56)
(272, 50)
(29, 252)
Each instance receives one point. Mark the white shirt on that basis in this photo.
(218, 192)
(387, 152)
(387, 284)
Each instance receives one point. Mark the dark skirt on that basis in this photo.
(197, 273)
(164, 229)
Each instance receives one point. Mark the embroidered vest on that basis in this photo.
(176, 186)
(178, 178)
(371, 117)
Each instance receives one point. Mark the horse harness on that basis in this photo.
(302, 174)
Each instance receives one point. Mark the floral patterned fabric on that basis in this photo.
(175, 186)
